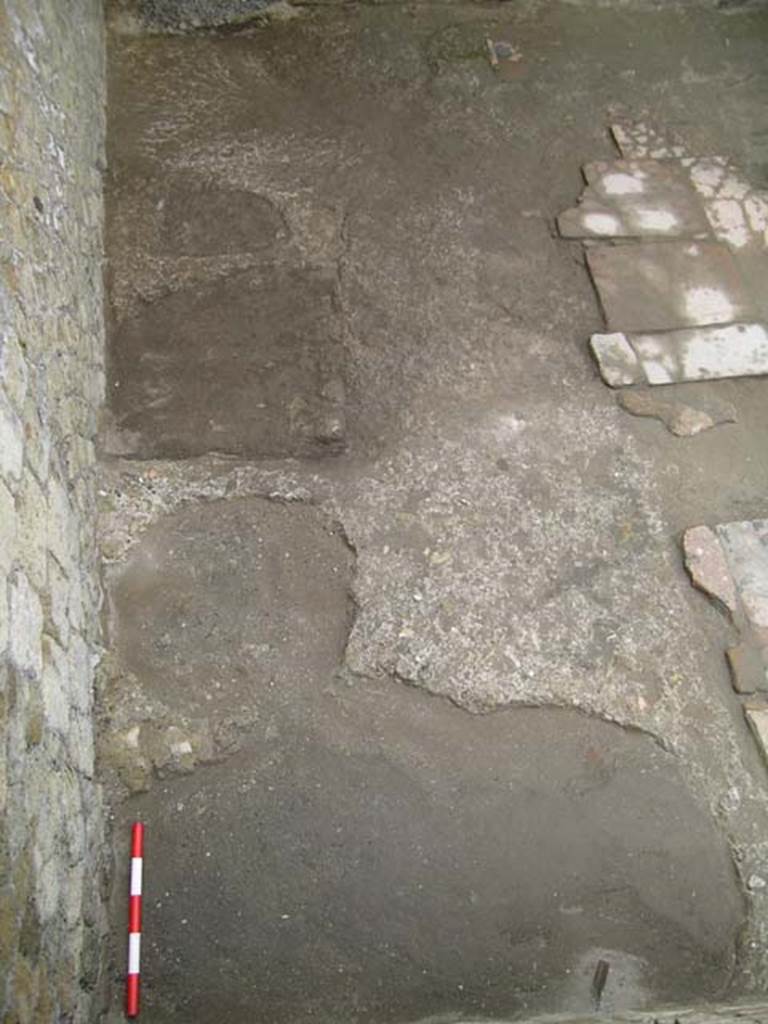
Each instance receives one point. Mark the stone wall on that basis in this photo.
(52, 852)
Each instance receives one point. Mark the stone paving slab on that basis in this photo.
(758, 723)
(635, 199)
(618, 362)
(729, 563)
(746, 549)
(736, 211)
(749, 668)
(638, 139)
(669, 357)
(660, 286)
(736, 350)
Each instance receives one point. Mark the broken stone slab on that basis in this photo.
(637, 139)
(749, 668)
(689, 354)
(661, 286)
(680, 419)
(708, 568)
(757, 717)
(735, 350)
(745, 547)
(619, 365)
(636, 199)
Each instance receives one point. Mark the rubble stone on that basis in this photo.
(706, 563)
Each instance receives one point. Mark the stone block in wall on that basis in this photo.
(37, 433)
(7, 534)
(13, 367)
(32, 530)
(55, 691)
(11, 443)
(56, 602)
(26, 625)
(63, 539)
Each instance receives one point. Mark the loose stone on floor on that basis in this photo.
(679, 418)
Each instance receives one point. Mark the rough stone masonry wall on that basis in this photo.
(52, 853)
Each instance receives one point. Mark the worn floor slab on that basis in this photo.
(655, 286)
(693, 354)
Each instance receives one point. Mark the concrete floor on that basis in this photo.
(407, 679)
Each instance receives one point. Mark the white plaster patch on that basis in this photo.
(602, 224)
(732, 351)
(756, 209)
(656, 220)
(623, 184)
(733, 188)
(706, 176)
(727, 218)
(618, 363)
(708, 306)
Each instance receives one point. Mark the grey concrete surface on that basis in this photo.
(514, 534)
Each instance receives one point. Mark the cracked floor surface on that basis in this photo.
(406, 676)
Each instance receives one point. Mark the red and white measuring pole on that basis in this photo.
(132, 980)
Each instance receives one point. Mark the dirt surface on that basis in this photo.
(376, 856)
(243, 365)
(514, 530)
(229, 598)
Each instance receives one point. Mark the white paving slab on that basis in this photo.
(702, 353)
(688, 354)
